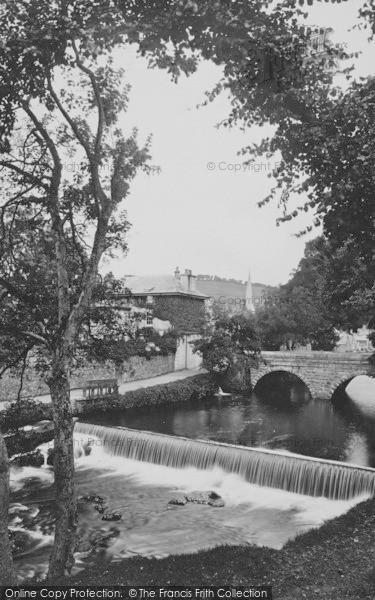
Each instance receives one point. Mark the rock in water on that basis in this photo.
(178, 501)
(96, 499)
(202, 497)
(112, 517)
(28, 459)
(50, 456)
(218, 502)
(99, 500)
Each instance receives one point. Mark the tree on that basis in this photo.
(55, 230)
(303, 310)
(43, 123)
(225, 338)
(324, 135)
(7, 570)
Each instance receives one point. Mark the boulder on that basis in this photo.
(219, 502)
(50, 456)
(101, 508)
(39, 427)
(46, 524)
(28, 459)
(92, 498)
(97, 539)
(19, 541)
(84, 546)
(115, 516)
(202, 497)
(178, 501)
(103, 537)
(100, 499)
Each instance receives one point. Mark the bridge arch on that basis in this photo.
(339, 384)
(340, 388)
(321, 371)
(276, 371)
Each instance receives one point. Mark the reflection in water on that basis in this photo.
(361, 390)
(295, 423)
(285, 419)
(358, 453)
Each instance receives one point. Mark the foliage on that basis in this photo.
(186, 314)
(60, 99)
(19, 443)
(204, 277)
(225, 338)
(143, 342)
(302, 311)
(190, 388)
(23, 412)
(324, 135)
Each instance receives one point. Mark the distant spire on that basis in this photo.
(249, 294)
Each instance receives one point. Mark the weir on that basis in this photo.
(274, 469)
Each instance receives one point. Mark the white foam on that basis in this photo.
(230, 486)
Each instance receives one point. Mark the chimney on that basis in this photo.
(188, 281)
(177, 274)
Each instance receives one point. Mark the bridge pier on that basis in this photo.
(322, 372)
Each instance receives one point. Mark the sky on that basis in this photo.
(200, 212)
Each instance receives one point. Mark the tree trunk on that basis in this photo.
(62, 559)
(7, 571)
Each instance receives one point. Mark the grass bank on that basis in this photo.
(334, 562)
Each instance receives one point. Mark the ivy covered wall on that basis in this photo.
(186, 314)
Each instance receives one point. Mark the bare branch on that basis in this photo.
(101, 117)
(70, 121)
(57, 224)
(15, 361)
(35, 336)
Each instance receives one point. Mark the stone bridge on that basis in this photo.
(322, 372)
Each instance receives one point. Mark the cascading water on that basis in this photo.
(290, 472)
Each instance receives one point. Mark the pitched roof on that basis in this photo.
(158, 284)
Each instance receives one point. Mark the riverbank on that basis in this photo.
(129, 386)
(334, 562)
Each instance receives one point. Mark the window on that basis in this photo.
(149, 318)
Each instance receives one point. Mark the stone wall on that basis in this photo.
(321, 371)
(35, 385)
(139, 367)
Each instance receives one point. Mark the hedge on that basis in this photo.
(183, 390)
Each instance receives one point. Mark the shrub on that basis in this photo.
(191, 388)
(23, 412)
(21, 442)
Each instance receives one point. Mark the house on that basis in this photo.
(168, 300)
(354, 341)
(165, 302)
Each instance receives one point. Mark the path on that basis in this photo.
(128, 386)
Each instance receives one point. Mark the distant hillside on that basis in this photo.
(217, 278)
(228, 291)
